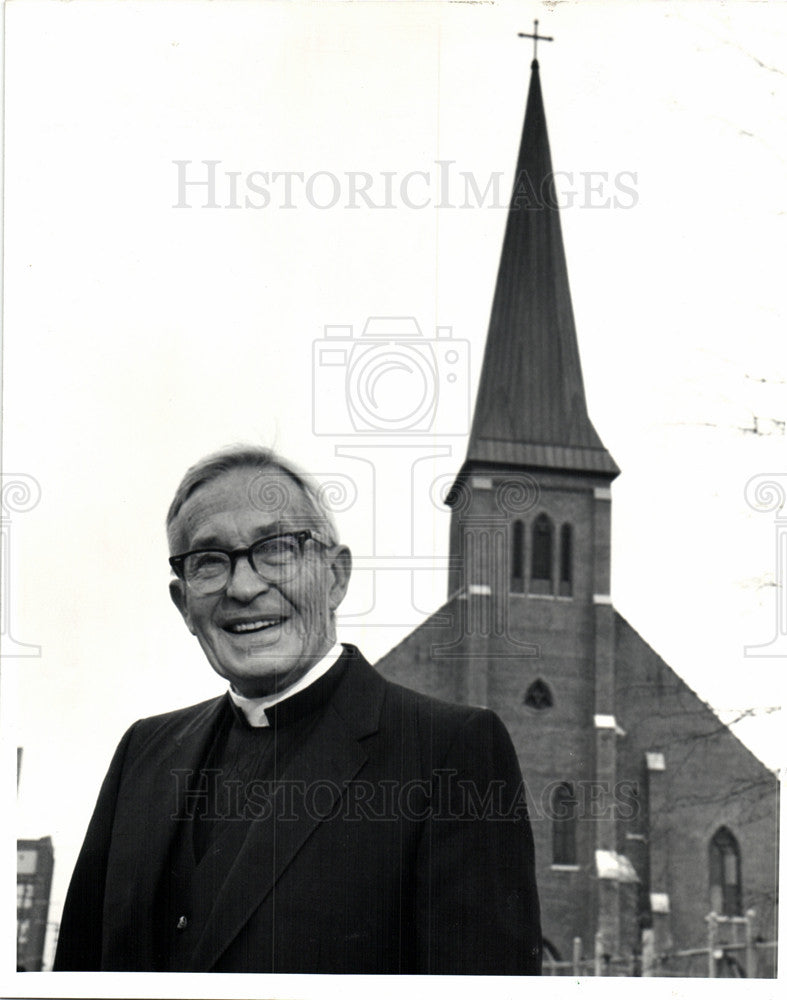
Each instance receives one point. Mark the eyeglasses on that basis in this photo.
(275, 558)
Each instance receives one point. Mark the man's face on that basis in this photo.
(258, 634)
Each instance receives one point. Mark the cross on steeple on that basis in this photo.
(536, 38)
(530, 409)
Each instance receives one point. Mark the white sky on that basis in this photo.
(139, 336)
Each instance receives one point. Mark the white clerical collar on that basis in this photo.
(254, 708)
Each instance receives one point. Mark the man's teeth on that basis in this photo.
(239, 627)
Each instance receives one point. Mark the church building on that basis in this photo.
(648, 814)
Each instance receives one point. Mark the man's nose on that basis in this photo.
(245, 582)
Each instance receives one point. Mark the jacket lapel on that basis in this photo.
(331, 756)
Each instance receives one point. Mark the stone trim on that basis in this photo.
(659, 902)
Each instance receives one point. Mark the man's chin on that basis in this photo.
(262, 674)
(260, 668)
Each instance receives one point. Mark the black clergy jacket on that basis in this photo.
(389, 836)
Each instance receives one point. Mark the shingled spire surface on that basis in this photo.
(530, 407)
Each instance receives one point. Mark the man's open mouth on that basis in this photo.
(258, 625)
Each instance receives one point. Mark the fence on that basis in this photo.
(731, 951)
(599, 965)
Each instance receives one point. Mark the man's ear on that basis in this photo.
(177, 591)
(341, 563)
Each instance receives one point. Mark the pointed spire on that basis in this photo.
(530, 408)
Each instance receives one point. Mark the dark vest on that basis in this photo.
(227, 796)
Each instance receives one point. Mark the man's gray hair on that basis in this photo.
(263, 460)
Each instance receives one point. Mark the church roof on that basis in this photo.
(530, 409)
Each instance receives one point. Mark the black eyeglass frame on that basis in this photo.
(302, 537)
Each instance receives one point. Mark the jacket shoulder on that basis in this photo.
(431, 733)
(366, 698)
(442, 712)
(179, 715)
(179, 720)
(408, 718)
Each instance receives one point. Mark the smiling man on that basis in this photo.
(259, 576)
(315, 817)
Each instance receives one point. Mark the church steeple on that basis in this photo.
(530, 408)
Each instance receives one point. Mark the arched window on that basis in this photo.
(538, 695)
(518, 558)
(725, 874)
(564, 825)
(541, 566)
(566, 557)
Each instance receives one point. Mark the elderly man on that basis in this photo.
(315, 818)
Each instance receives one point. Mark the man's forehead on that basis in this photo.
(264, 498)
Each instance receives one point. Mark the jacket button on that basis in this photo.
(182, 923)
